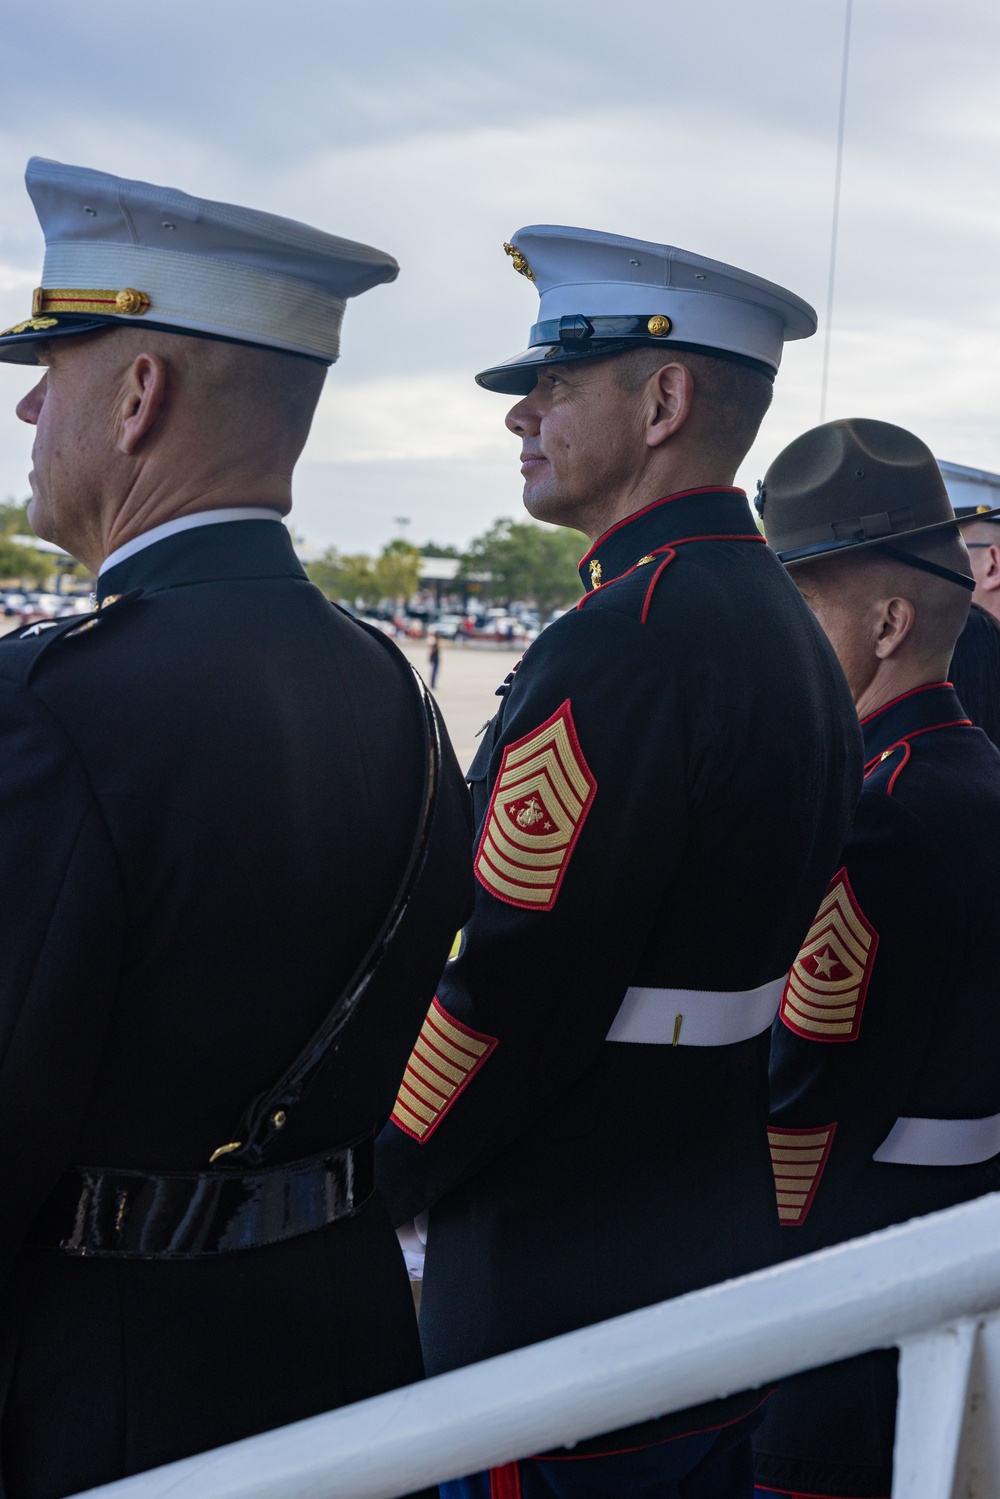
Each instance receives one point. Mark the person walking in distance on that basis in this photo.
(219, 795)
(660, 802)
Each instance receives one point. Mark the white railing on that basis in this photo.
(931, 1286)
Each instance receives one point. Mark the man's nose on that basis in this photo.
(30, 405)
(523, 418)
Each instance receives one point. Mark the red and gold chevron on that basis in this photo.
(541, 799)
(798, 1157)
(826, 988)
(446, 1057)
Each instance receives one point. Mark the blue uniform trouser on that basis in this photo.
(710, 1465)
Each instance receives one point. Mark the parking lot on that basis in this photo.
(466, 688)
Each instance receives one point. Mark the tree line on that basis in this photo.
(514, 561)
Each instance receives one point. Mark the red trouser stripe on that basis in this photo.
(505, 1482)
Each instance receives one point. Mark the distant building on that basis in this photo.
(970, 486)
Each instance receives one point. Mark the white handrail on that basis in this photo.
(870, 1293)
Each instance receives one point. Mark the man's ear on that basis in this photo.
(671, 393)
(991, 578)
(142, 400)
(894, 623)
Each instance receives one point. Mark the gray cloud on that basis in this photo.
(435, 131)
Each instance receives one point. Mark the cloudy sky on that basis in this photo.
(433, 130)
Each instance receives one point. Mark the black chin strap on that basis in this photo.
(926, 567)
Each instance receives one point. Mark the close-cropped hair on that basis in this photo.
(730, 400)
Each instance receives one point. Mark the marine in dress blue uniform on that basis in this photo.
(210, 791)
(885, 1096)
(659, 802)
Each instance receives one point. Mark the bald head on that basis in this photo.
(892, 626)
(136, 427)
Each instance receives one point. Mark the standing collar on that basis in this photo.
(935, 706)
(185, 523)
(693, 513)
(204, 553)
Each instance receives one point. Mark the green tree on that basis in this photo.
(397, 570)
(14, 518)
(527, 562)
(21, 564)
(436, 549)
(348, 579)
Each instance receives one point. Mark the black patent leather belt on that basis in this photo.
(188, 1215)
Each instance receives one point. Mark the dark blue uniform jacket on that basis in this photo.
(890, 1013)
(207, 798)
(683, 750)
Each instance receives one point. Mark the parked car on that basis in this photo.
(447, 626)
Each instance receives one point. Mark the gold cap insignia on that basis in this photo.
(446, 1057)
(125, 303)
(596, 573)
(659, 325)
(826, 988)
(798, 1157)
(520, 264)
(32, 324)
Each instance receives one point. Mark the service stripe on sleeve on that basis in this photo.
(826, 988)
(445, 1058)
(542, 795)
(798, 1157)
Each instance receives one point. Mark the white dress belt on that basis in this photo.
(940, 1142)
(696, 1017)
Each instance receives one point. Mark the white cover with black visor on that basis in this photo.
(603, 294)
(119, 251)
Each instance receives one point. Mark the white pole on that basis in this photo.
(869, 1293)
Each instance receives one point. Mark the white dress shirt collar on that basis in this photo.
(186, 523)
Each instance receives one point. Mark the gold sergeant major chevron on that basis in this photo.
(826, 988)
(446, 1057)
(798, 1158)
(543, 793)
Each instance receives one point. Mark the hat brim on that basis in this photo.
(19, 347)
(821, 550)
(516, 376)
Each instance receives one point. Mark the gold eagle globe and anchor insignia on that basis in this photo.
(826, 988)
(541, 799)
(520, 264)
(596, 573)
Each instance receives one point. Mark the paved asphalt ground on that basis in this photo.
(467, 681)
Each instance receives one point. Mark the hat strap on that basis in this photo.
(926, 567)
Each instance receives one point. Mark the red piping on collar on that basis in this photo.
(955, 723)
(927, 687)
(680, 495)
(659, 551)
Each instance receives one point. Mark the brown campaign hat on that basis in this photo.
(850, 484)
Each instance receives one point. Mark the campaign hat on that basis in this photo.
(851, 484)
(603, 294)
(121, 252)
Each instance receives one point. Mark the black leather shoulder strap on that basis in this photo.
(266, 1117)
